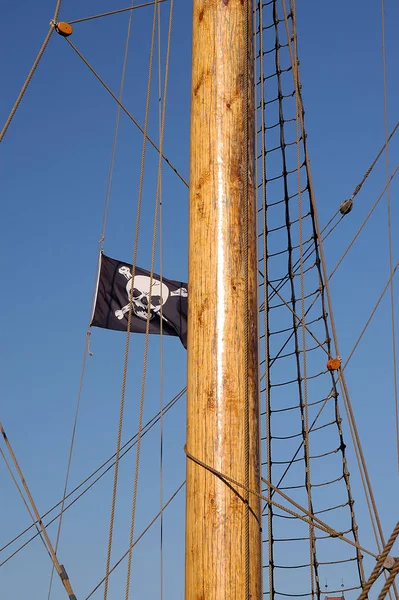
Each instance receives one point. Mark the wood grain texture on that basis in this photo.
(222, 342)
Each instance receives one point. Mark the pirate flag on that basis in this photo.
(111, 308)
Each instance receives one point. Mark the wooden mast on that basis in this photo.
(223, 543)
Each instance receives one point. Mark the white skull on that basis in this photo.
(142, 295)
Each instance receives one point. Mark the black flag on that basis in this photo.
(111, 309)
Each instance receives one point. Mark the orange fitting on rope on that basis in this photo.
(333, 364)
(63, 28)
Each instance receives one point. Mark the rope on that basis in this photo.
(127, 339)
(364, 222)
(256, 189)
(266, 314)
(370, 317)
(161, 308)
(32, 71)
(329, 396)
(101, 245)
(380, 561)
(301, 321)
(138, 539)
(367, 173)
(371, 167)
(143, 131)
(317, 522)
(116, 131)
(85, 354)
(115, 12)
(146, 428)
(304, 407)
(154, 239)
(246, 191)
(60, 568)
(24, 501)
(390, 580)
(392, 293)
(327, 290)
(345, 393)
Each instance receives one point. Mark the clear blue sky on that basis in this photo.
(54, 169)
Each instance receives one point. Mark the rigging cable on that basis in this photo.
(304, 402)
(367, 173)
(127, 339)
(35, 523)
(364, 223)
(248, 193)
(305, 428)
(32, 71)
(324, 269)
(325, 401)
(322, 272)
(143, 130)
(343, 368)
(101, 246)
(60, 568)
(116, 131)
(371, 316)
(310, 249)
(115, 12)
(307, 519)
(146, 429)
(154, 240)
(85, 354)
(342, 380)
(390, 580)
(138, 538)
(160, 97)
(256, 188)
(266, 304)
(380, 562)
(392, 292)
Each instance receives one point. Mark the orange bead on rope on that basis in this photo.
(333, 364)
(63, 28)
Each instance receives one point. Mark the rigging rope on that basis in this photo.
(392, 292)
(115, 12)
(364, 222)
(379, 564)
(248, 102)
(116, 131)
(161, 441)
(370, 317)
(146, 429)
(60, 568)
(282, 178)
(32, 71)
(322, 261)
(85, 354)
(138, 539)
(317, 522)
(345, 393)
(34, 524)
(101, 245)
(310, 249)
(265, 304)
(154, 240)
(127, 340)
(143, 131)
(390, 580)
(343, 368)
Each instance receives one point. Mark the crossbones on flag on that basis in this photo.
(167, 299)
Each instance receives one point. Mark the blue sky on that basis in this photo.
(54, 170)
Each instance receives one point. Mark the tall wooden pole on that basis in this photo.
(223, 545)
